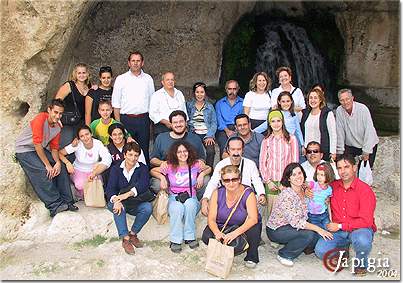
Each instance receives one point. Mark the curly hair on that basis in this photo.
(172, 155)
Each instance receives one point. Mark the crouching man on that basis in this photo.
(127, 180)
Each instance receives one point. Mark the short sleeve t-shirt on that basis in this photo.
(259, 104)
(98, 95)
(179, 178)
(317, 204)
(100, 130)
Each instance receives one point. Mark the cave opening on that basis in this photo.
(311, 45)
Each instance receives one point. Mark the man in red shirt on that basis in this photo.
(37, 150)
(353, 205)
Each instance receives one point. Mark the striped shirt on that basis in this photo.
(275, 154)
(198, 121)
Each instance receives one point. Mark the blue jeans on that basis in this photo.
(52, 192)
(319, 219)
(295, 241)
(361, 240)
(182, 218)
(142, 212)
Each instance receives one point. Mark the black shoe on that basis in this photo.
(61, 208)
(309, 250)
(176, 248)
(192, 243)
(72, 207)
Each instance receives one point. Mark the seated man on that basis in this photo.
(252, 140)
(249, 173)
(37, 150)
(163, 102)
(314, 157)
(226, 109)
(164, 141)
(129, 174)
(353, 206)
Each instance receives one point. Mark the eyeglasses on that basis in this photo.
(233, 180)
(312, 151)
(105, 69)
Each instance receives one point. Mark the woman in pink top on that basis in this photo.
(182, 176)
(278, 149)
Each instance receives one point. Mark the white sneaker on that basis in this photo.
(285, 261)
(250, 264)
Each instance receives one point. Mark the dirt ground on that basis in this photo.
(102, 258)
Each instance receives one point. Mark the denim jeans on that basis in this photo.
(295, 241)
(142, 212)
(319, 219)
(52, 192)
(361, 240)
(253, 236)
(210, 152)
(182, 219)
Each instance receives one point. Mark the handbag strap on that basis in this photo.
(72, 94)
(190, 181)
(233, 210)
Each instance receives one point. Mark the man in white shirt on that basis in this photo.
(355, 130)
(249, 172)
(163, 102)
(314, 157)
(131, 100)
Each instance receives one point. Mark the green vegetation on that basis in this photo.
(94, 242)
(45, 268)
(100, 263)
(239, 54)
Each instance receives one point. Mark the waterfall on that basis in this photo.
(286, 44)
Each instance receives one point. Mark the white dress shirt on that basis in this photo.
(132, 93)
(162, 104)
(250, 176)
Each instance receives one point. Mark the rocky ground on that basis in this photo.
(56, 253)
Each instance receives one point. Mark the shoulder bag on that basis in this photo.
(71, 118)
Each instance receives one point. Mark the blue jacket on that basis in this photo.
(209, 117)
(117, 181)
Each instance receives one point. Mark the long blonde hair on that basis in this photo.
(73, 75)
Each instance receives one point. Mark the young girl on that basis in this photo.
(318, 212)
(103, 92)
(285, 103)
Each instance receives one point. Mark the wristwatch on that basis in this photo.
(339, 226)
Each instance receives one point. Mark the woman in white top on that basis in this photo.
(284, 75)
(257, 101)
(86, 166)
(318, 124)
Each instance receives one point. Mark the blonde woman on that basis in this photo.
(73, 94)
(257, 102)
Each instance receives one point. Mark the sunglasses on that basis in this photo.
(234, 180)
(312, 151)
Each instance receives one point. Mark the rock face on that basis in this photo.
(42, 40)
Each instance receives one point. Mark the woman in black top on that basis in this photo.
(77, 86)
(103, 92)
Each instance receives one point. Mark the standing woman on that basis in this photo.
(278, 149)
(103, 92)
(318, 124)
(92, 159)
(288, 223)
(185, 175)
(284, 75)
(257, 102)
(73, 93)
(202, 120)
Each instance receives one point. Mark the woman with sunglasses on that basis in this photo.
(202, 120)
(103, 92)
(244, 220)
(318, 123)
(183, 176)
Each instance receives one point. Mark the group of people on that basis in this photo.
(274, 149)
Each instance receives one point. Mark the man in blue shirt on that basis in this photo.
(226, 109)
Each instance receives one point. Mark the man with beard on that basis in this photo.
(164, 141)
(249, 172)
